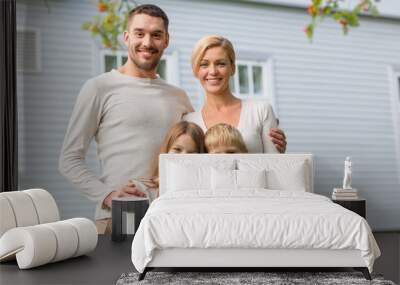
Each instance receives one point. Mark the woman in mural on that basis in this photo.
(213, 63)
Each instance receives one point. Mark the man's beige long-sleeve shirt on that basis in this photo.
(129, 118)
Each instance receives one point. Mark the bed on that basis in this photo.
(248, 210)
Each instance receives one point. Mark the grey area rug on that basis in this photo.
(269, 278)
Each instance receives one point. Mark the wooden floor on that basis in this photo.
(389, 262)
(110, 260)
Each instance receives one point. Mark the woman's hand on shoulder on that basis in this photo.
(278, 138)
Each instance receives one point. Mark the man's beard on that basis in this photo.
(147, 65)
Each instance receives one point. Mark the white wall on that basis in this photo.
(332, 95)
(46, 99)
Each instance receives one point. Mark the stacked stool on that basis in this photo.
(31, 231)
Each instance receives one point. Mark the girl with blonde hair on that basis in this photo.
(184, 137)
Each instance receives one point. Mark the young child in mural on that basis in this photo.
(224, 138)
(184, 137)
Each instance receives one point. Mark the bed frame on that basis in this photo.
(242, 259)
(245, 258)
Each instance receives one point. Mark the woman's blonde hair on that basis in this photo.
(224, 135)
(209, 42)
(181, 128)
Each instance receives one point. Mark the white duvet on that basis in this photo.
(254, 218)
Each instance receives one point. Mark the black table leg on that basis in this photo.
(117, 221)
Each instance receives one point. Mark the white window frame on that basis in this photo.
(172, 68)
(171, 59)
(267, 66)
(394, 77)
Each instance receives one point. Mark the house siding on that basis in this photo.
(332, 95)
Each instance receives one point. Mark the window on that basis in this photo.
(247, 81)
(28, 50)
(398, 87)
(167, 68)
(396, 95)
(395, 74)
(253, 79)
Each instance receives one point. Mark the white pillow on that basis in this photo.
(223, 179)
(226, 179)
(292, 178)
(184, 175)
(251, 178)
(282, 174)
(181, 177)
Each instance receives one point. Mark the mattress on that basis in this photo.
(251, 219)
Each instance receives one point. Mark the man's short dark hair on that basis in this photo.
(151, 10)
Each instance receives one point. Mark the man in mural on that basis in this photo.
(128, 112)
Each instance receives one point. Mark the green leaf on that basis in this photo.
(357, 9)
(327, 10)
(374, 11)
(353, 20)
(86, 25)
(345, 30)
(346, 13)
(317, 3)
(337, 15)
(309, 30)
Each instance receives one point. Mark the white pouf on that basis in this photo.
(7, 220)
(31, 232)
(87, 234)
(45, 205)
(27, 208)
(40, 244)
(23, 208)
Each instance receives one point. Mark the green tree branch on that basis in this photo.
(321, 9)
(112, 22)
